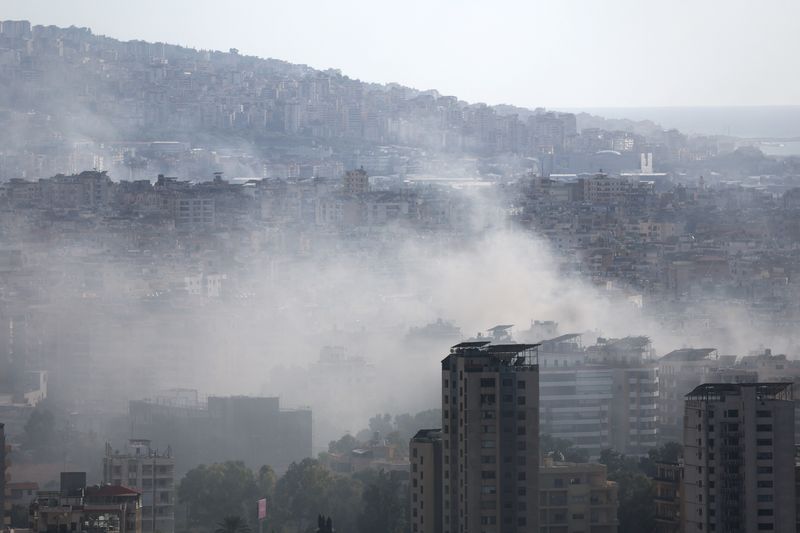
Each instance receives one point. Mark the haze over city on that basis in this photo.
(575, 54)
(445, 267)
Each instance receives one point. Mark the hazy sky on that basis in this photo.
(558, 53)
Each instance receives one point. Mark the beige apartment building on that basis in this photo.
(151, 473)
(576, 497)
(426, 481)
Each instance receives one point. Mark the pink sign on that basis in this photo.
(262, 509)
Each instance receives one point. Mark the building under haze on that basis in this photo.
(603, 396)
(152, 474)
(5, 511)
(490, 438)
(426, 481)
(739, 458)
(576, 497)
(251, 429)
(78, 507)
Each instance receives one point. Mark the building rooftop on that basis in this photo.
(764, 391)
(688, 354)
(427, 435)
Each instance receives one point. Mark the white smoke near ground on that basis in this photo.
(328, 328)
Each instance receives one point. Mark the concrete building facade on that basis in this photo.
(425, 455)
(150, 472)
(739, 458)
(576, 497)
(490, 438)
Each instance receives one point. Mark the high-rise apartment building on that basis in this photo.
(426, 481)
(150, 472)
(679, 372)
(603, 396)
(739, 458)
(490, 438)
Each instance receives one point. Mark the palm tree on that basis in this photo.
(232, 524)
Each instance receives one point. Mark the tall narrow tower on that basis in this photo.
(490, 438)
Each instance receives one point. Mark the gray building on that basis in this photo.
(490, 438)
(251, 429)
(739, 458)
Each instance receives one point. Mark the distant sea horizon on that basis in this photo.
(748, 122)
(779, 123)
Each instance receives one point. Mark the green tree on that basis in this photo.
(346, 444)
(40, 430)
(212, 493)
(301, 494)
(19, 517)
(669, 452)
(562, 448)
(381, 424)
(637, 510)
(232, 524)
(383, 508)
(635, 492)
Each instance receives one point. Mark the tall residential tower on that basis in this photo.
(490, 438)
(739, 458)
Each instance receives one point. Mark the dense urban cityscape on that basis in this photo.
(240, 294)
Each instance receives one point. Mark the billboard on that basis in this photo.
(262, 509)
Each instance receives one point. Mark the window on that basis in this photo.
(764, 484)
(764, 414)
(766, 527)
(520, 384)
(765, 512)
(488, 489)
(521, 415)
(764, 470)
(520, 400)
(488, 474)
(764, 427)
(764, 456)
(764, 498)
(487, 382)
(763, 442)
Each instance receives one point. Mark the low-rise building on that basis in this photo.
(576, 497)
(667, 482)
(150, 472)
(76, 507)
